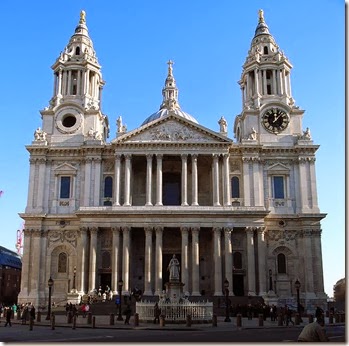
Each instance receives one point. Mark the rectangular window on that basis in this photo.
(279, 191)
(65, 187)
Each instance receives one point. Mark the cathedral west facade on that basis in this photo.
(245, 211)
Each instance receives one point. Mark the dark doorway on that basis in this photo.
(171, 189)
(106, 280)
(238, 285)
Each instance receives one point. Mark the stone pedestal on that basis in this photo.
(73, 297)
(174, 290)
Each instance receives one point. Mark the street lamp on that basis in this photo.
(226, 291)
(74, 288)
(120, 284)
(297, 284)
(50, 284)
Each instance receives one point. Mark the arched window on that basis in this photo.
(108, 187)
(237, 260)
(235, 187)
(62, 262)
(77, 51)
(265, 50)
(281, 263)
(106, 259)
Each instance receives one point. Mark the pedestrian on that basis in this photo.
(24, 315)
(157, 313)
(319, 312)
(128, 312)
(32, 313)
(8, 314)
(314, 331)
(288, 314)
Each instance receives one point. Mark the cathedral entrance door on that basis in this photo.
(171, 189)
(238, 285)
(106, 280)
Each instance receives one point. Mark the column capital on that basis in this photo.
(216, 229)
(115, 229)
(117, 156)
(195, 230)
(228, 230)
(159, 229)
(159, 156)
(148, 231)
(184, 156)
(93, 230)
(149, 156)
(185, 230)
(249, 229)
(125, 229)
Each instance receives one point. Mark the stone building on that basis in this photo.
(245, 210)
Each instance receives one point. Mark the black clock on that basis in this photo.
(275, 120)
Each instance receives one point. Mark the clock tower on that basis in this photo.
(269, 113)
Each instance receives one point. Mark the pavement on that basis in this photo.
(103, 321)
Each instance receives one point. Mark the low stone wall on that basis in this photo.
(200, 312)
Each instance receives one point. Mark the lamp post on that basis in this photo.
(226, 291)
(297, 284)
(74, 271)
(120, 284)
(50, 284)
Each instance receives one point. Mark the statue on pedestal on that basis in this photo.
(173, 268)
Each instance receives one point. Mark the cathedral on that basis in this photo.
(240, 214)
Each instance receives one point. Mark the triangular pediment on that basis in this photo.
(278, 168)
(174, 129)
(65, 168)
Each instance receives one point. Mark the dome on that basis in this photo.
(163, 112)
(170, 101)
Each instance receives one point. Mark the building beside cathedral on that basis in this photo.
(101, 211)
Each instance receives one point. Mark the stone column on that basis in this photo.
(26, 265)
(185, 259)
(262, 261)
(195, 261)
(215, 180)
(265, 90)
(256, 81)
(115, 259)
(308, 262)
(251, 272)
(194, 172)
(218, 290)
(78, 83)
(159, 179)
(314, 199)
(97, 182)
(127, 180)
(147, 261)
(126, 260)
(228, 257)
(93, 253)
(149, 179)
(318, 264)
(59, 91)
(184, 179)
(158, 260)
(69, 83)
(246, 180)
(257, 183)
(226, 188)
(303, 186)
(87, 182)
(30, 199)
(82, 258)
(274, 88)
(117, 180)
(40, 189)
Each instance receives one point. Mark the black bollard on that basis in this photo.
(238, 320)
(188, 321)
(93, 322)
(214, 321)
(136, 319)
(89, 318)
(331, 318)
(70, 317)
(162, 321)
(260, 320)
(38, 316)
(280, 321)
(53, 320)
(31, 323)
(111, 320)
(74, 322)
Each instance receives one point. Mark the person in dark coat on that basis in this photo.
(157, 313)
(128, 313)
(8, 313)
(32, 313)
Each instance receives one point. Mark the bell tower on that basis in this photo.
(74, 114)
(269, 113)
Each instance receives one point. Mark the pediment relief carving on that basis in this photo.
(65, 168)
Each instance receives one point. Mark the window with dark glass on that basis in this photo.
(281, 263)
(65, 187)
(237, 260)
(108, 187)
(62, 262)
(106, 262)
(278, 183)
(235, 187)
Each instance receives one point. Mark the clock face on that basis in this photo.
(275, 120)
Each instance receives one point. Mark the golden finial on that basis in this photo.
(82, 17)
(261, 16)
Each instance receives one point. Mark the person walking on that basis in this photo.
(314, 331)
(8, 314)
(157, 313)
(288, 314)
(32, 313)
(128, 313)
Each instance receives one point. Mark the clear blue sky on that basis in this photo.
(208, 42)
